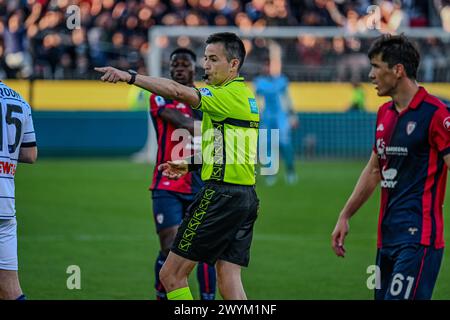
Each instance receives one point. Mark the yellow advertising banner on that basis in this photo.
(85, 95)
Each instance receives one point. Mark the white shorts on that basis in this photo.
(8, 244)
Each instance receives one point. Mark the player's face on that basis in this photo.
(216, 65)
(384, 78)
(182, 69)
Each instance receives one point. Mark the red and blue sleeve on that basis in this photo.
(439, 135)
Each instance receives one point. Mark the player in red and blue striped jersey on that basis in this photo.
(410, 159)
(171, 198)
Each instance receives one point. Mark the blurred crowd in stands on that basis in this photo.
(36, 42)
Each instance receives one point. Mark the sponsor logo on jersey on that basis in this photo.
(205, 92)
(9, 93)
(410, 127)
(7, 168)
(384, 150)
(412, 230)
(447, 123)
(381, 147)
(396, 151)
(380, 127)
(388, 176)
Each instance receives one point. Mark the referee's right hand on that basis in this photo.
(113, 75)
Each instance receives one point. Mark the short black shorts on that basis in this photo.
(219, 224)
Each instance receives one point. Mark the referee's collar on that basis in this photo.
(237, 79)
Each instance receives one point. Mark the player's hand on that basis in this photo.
(114, 75)
(174, 169)
(338, 236)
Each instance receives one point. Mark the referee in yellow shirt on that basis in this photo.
(219, 225)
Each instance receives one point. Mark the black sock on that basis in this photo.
(160, 291)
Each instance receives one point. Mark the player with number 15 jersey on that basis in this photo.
(17, 144)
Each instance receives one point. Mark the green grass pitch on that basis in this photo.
(96, 214)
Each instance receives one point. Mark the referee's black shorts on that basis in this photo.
(219, 224)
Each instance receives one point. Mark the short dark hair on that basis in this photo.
(396, 49)
(234, 47)
(184, 51)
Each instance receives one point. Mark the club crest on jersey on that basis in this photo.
(410, 127)
(160, 218)
(205, 92)
(160, 101)
(447, 123)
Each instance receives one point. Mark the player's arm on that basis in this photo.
(28, 154)
(335, 14)
(287, 103)
(439, 136)
(367, 182)
(178, 120)
(161, 86)
(28, 149)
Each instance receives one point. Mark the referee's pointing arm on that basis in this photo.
(161, 86)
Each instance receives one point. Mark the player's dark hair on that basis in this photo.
(184, 51)
(397, 49)
(234, 47)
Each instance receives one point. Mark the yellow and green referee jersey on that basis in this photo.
(229, 132)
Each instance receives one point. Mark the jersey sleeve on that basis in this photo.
(29, 136)
(158, 104)
(213, 100)
(374, 146)
(439, 134)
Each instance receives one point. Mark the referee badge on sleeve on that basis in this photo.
(205, 92)
(160, 101)
(253, 105)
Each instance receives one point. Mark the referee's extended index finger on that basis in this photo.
(101, 69)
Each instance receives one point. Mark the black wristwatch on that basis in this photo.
(133, 76)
